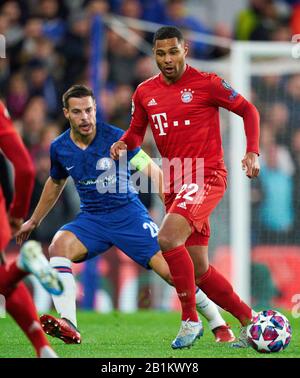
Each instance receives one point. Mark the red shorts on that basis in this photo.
(196, 206)
(5, 233)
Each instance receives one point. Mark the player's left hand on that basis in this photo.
(15, 224)
(250, 164)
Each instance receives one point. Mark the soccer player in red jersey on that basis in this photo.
(181, 104)
(18, 300)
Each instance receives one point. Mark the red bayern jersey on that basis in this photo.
(184, 116)
(14, 149)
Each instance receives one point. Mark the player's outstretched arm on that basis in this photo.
(116, 149)
(51, 192)
(250, 115)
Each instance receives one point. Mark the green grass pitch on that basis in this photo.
(145, 334)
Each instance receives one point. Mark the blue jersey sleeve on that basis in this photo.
(57, 171)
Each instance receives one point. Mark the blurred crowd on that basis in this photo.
(48, 50)
(275, 195)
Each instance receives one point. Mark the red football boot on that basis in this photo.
(61, 328)
(223, 334)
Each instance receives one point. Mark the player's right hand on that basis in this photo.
(15, 224)
(117, 148)
(25, 231)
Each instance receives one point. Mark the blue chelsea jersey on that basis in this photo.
(103, 184)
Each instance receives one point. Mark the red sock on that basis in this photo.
(182, 271)
(220, 291)
(20, 306)
(10, 275)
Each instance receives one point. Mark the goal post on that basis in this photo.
(240, 188)
(245, 60)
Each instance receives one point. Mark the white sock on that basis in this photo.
(47, 352)
(208, 309)
(65, 304)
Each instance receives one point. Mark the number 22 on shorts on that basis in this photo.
(189, 191)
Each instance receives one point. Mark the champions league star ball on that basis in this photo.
(269, 332)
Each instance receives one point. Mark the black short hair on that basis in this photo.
(77, 91)
(166, 32)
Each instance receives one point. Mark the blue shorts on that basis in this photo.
(129, 228)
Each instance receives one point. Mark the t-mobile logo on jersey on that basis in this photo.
(160, 122)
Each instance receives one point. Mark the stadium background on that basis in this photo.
(53, 44)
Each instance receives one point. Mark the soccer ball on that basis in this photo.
(269, 332)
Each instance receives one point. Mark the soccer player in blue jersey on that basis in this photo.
(111, 212)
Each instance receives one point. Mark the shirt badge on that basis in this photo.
(104, 164)
(186, 95)
(233, 93)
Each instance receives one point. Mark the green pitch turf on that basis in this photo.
(146, 334)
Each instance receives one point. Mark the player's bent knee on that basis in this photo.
(200, 271)
(57, 250)
(61, 248)
(166, 243)
(65, 244)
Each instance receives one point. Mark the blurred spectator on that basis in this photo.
(47, 134)
(41, 83)
(151, 10)
(34, 120)
(131, 8)
(260, 21)
(122, 56)
(4, 75)
(26, 49)
(295, 150)
(53, 25)
(282, 32)
(144, 68)
(108, 104)
(277, 115)
(177, 14)
(221, 30)
(12, 12)
(17, 95)
(122, 116)
(97, 7)
(74, 48)
(276, 213)
(293, 101)
(268, 89)
(47, 53)
(154, 11)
